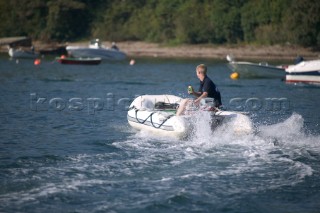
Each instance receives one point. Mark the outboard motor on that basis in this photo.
(208, 104)
(207, 101)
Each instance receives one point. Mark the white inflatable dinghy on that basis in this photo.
(157, 114)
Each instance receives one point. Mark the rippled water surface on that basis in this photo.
(66, 145)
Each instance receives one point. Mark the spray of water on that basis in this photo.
(207, 130)
(287, 131)
(270, 157)
(220, 163)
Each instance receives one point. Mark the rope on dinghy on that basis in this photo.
(141, 121)
(157, 127)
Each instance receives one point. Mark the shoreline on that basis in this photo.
(275, 52)
(208, 51)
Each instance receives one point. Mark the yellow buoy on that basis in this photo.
(234, 75)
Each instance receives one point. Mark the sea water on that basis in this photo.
(66, 145)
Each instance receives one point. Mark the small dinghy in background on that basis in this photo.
(22, 53)
(157, 114)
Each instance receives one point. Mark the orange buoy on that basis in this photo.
(234, 75)
(37, 61)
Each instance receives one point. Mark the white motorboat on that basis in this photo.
(22, 53)
(304, 72)
(96, 49)
(249, 69)
(157, 114)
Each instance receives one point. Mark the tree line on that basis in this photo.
(267, 22)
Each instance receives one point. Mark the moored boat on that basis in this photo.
(96, 49)
(82, 61)
(22, 53)
(249, 69)
(157, 114)
(304, 72)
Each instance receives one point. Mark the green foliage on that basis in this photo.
(262, 21)
(303, 22)
(226, 20)
(115, 24)
(65, 20)
(192, 23)
(165, 21)
(21, 17)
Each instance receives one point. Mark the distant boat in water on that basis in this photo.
(22, 53)
(96, 49)
(82, 61)
(19, 47)
(304, 72)
(249, 69)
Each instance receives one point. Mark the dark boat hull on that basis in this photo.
(82, 61)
